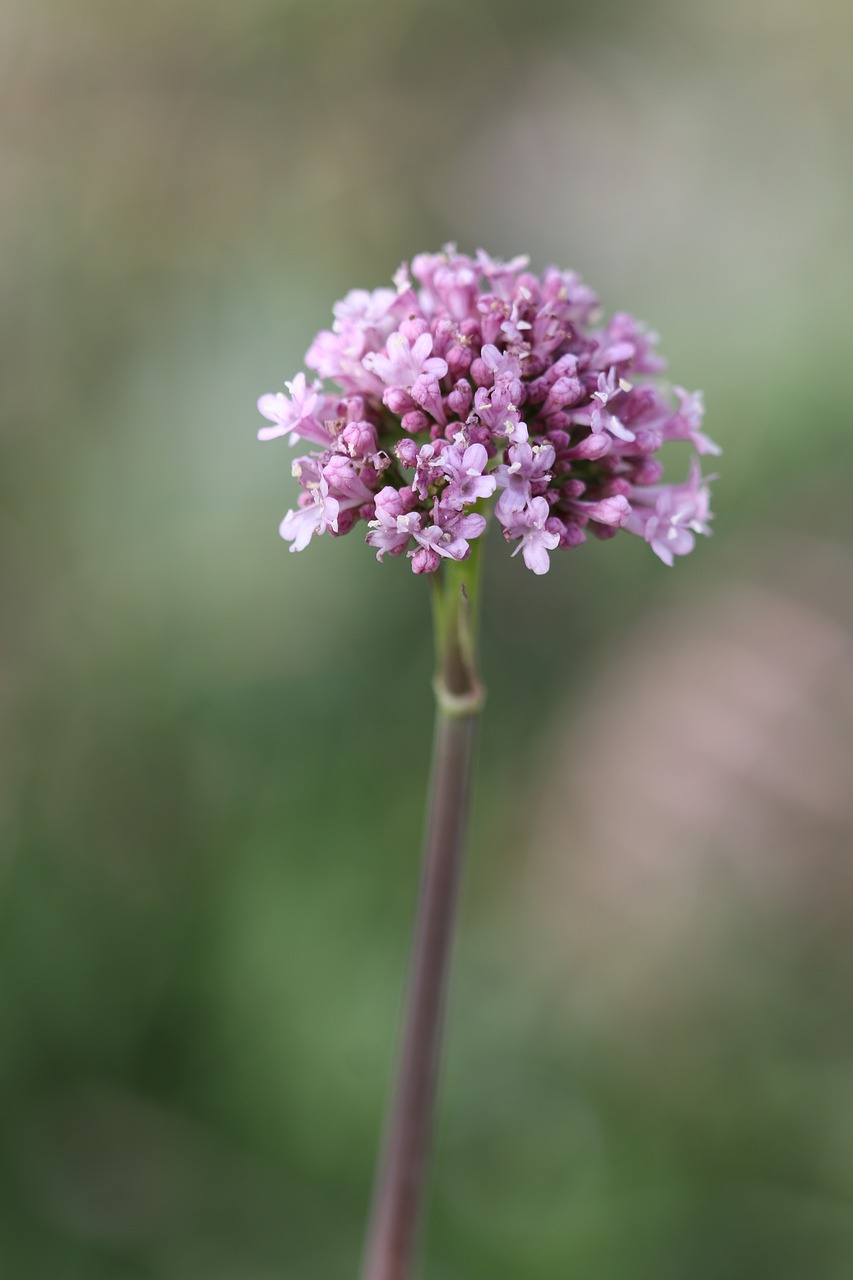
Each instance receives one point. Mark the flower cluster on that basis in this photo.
(474, 377)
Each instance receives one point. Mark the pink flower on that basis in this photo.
(465, 471)
(368, 313)
(686, 423)
(602, 419)
(536, 534)
(528, 465)
(404, 362)
(318, 509)
(329, 493)
(668, 516)
(298, 414)
(449, 534)
(396, 522)
(486, 377)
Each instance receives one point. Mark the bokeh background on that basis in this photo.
(214, 754)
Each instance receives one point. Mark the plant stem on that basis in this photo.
(398, 1191)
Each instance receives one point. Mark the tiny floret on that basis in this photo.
(475, 384)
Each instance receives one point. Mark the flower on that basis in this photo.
(529, 466)
(300, 414)
(465, 471)
(668, 516)
(405, 362)
(536, 538)
(473, 376)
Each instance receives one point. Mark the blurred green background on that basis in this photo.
(214, 754)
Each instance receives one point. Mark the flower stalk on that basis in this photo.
(399, 1186)
(474, 391)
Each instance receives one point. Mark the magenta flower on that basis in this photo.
(482, 376)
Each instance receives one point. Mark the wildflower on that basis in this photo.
(300, 414)
(465, 471)
(536, 533)
(668, 516)
(473, 376)
(529, 465)
(404, 362)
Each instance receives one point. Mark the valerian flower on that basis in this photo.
(473, 376)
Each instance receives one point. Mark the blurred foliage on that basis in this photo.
(214, 754)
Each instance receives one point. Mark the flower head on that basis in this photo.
(473, 376)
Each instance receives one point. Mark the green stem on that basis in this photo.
(455, 603)
(398, 1191)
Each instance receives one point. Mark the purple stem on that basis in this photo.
(398, 1192)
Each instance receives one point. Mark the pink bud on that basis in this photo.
(571, 535)
(612, 511)
(648, 440)
(565, 390)
(360, 439)
(617, 487)
(415, 421)
(347, 518)
(479, 435)
(398, 400)
(444, 337)
(413, 327)
(354, 408)
(459, 400)
(425, 560)
(395, 502)
(648, 471)
(595, 446)
(458, 360)
(481, 373)
(407, 451)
